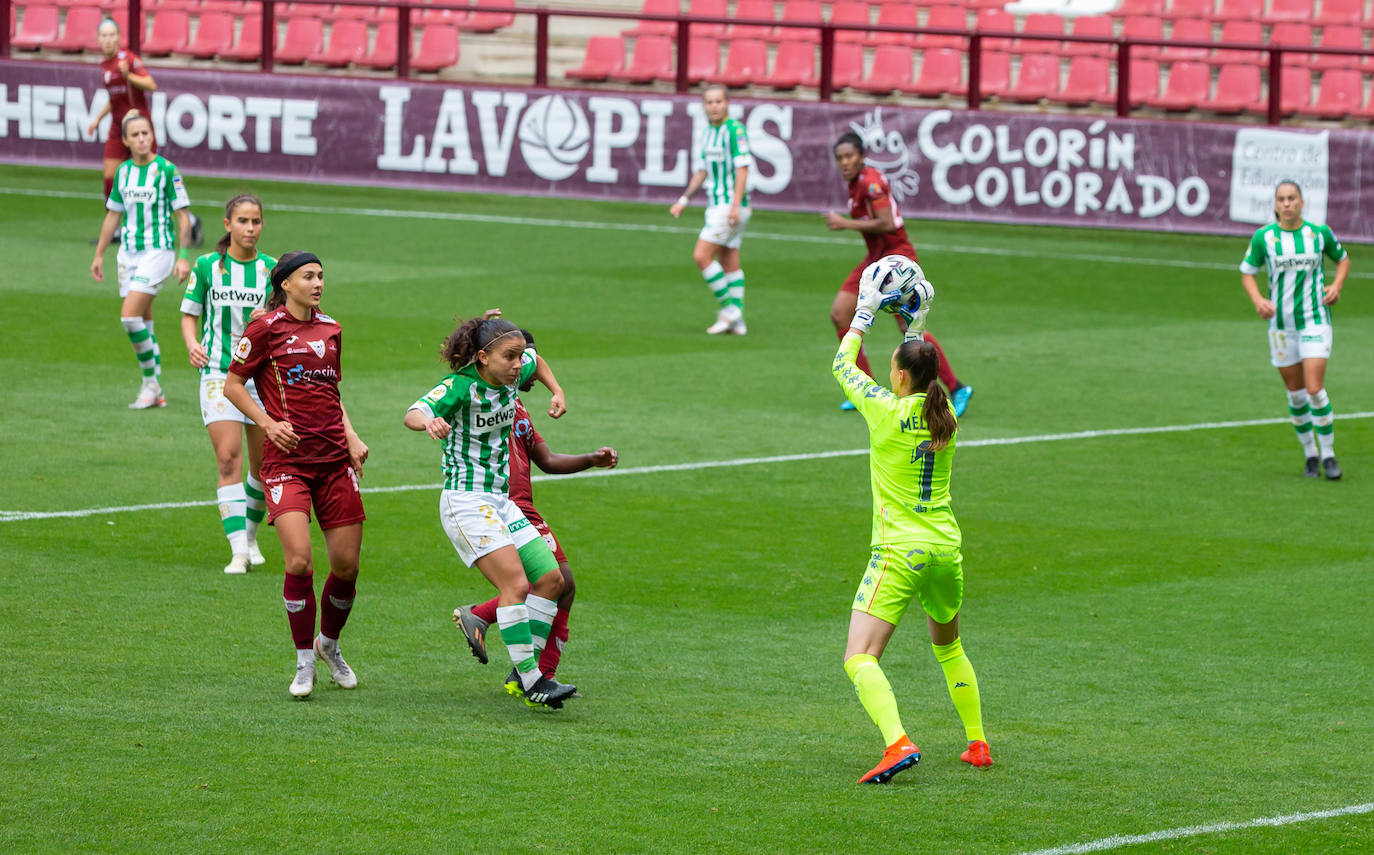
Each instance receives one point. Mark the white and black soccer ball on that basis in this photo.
(897, 278)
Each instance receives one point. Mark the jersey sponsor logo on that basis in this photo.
(243, 348)
(300, 374)
(234, 297)
(1302, 261)
(318, 347)
(139, 195)
(488, 421)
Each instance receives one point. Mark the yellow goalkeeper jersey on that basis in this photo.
(911, 501)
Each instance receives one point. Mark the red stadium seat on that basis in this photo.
(997, 21)
(1240, 32)
(942, 73)
(1092, 25)
(746, 63)
(304, 37)
(891, 71)
(895, 15)
(854, 12)
(426, 16)
(39, 28)
(1040, 24)
(347, 44)
(249, 46)
(1143, 28)
(232, 7)
(1188, 30)
(361, 13)
(171, 33)
(1036, 79)
(1340, 93)
(1367, 111)
(849, 66)
(1239, 10)
(1190, 84)
(79, 31)
(703, 59)
(214, 36)
(800, 12)
(995, 77)
(1179, 9)
(1089, 82)
(1147, 8)
(949, 17)
(1144, 81)
(1297, 11)
(1238, 90)
(652, 60)
(1293, 35)
(655, 28)
(605, 56)
(1348, 12)
(384, 47)
(1343, 36)
(1296, 89)
(708, 9)
(490, 22)
(749, 10)
(438, 48)
(794, 65)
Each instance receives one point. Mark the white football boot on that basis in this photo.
(339, 671)
(238, 565)
(304, 684)
(149, 395)
(255, 556)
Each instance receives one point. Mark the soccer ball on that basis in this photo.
(897, 278)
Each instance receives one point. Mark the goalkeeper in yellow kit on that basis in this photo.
(915, 544)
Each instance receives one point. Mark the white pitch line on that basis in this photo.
(458, 216)
(1119, 841)
(20, 516)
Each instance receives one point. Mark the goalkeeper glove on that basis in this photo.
(916, 308)
(863, 321)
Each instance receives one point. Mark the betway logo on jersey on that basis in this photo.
(1303, 261)
(483, 422)
(138, 195)
(235, 297)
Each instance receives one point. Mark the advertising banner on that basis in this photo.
(989, 166)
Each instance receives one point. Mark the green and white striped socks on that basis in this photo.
(232, 514)
(256, 507)
(1301, 414)
(714, 275)
(514, 622)
(1322, 424)
(734, 282)
(145, 346)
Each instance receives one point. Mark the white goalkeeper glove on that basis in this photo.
(916, 308)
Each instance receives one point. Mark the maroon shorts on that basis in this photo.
(546, 533)
(331, 488)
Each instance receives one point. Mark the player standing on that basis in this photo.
(1298, 309)
(471, 411)
(312, 456)
(225, 288)
(916, 539)
(873, 213)
(148, 195)
(722, 163)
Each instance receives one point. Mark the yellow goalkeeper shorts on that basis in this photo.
(899, 573)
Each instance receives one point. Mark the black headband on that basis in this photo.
(284, 269)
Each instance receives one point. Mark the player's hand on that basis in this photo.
(489, 314)
(199, 358)
(916, 308)
(870, 299)
(605, 458)
(282, 436)
(733, 217)
(438, 428)
(98, 269)
(1331, 294)
(182, 270)
(124, 67)
(863, 321)
(558, 405)
(677, 208)
(357, 453)
(95, 126)
(835, 221)
(257, 313)
(1264, 308)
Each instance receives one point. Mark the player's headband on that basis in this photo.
(492, 330)
(284, 269)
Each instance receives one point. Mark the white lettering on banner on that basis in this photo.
(1262, 157)
(227, 121)
(451, 132)
(1075, 161)
(51, 112)
(79, 114)
(47, 112)
(770, 149)
(656, 113)
(297, 126)
(188, 122)
(605, 137)
(496, 147)
(182, 106)
(263, 111)
(393, 119)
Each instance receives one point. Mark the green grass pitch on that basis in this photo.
(1170, 629)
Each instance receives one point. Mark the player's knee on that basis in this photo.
(549, 586)
(569, 588)
(230, 466)
(837, 318)
(300, 565)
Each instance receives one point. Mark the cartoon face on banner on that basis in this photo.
(887, 152)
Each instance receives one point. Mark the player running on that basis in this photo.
(472, 411)
(916, 540)
(312, 456)
(225, 288)
(148, 195)
(873, 213)
(1298, 309)
(722, 162)
(527, 445)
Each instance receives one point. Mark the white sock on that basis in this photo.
(734, 280)
(1301, 414)
(542, 611)
(157, 351)
(305, 657)
(1322, 424)
(508, 617)
(256, 505)
(233, 515)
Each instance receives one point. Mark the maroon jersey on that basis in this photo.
(523, 439)
(868, 194)
(123, 95)
(296, 368)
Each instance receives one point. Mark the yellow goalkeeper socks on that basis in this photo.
(875, 693)
(963, 687)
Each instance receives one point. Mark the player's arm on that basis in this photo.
(1336, 253)
(558, 404)
(138, 75)
(882, 223)
(553, 463)
(693, 185)
(858, 387)
(279, 433)
(183, 265)
(192, 311)
(431, 413)
(95, 123)
(357, 449)
(107, 230)
(190, 334)
(1253, 262)
(741, 182)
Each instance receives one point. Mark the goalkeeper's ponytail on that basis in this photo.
(921, 362)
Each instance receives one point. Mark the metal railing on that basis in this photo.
(683, 26)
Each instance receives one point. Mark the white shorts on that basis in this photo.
(144, 270)
(718, 229)
(214, 407)
(481, 523)
(1289, 347)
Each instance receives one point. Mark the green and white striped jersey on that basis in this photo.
(721, 150)
(223, 293)
(147, 195)
(477, 450)
(1296, 277)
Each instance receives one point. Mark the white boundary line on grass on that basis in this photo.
(21, 516)
(1119, 841)
(458, 216)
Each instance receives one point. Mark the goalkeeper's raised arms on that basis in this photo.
(916, 309)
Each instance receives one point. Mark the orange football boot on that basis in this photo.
(977, 754)
(900, 755)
